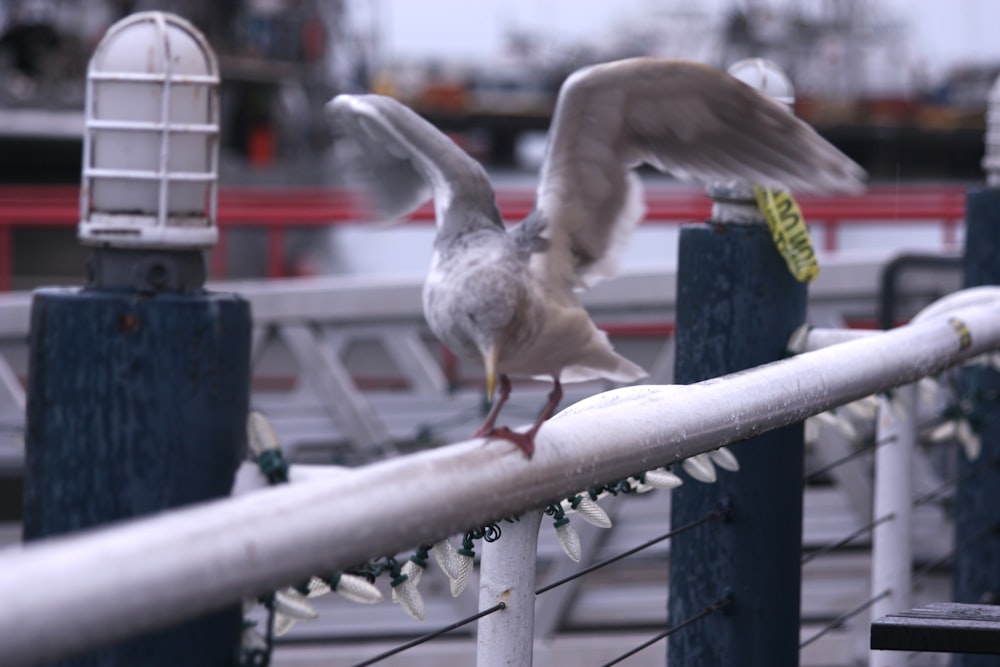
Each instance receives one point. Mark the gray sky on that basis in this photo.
(942, 33)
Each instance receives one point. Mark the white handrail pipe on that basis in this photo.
(72, 593)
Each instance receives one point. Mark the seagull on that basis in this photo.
(508, 295)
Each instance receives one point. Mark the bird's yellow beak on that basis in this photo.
(490, 358)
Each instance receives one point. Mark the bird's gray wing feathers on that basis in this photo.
(691, 120)
(405, 160)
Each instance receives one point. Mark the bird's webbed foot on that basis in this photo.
(524, 441)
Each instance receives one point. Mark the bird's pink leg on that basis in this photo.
(526, 441)
(503, 393)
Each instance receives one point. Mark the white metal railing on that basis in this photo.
(200, 558)
(318, 318)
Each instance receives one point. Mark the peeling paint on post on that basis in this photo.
(977, 514)
(136, 404)
(737, 306)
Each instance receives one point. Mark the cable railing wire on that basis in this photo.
(936, 492)
(822, 470)
(939, 490)
(846, 616)
(423, 639)
(711, 516)
(965, 544)
(707, 611)
(867, 528)
(722, 604)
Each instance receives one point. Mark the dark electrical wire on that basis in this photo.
(867, 528)
(707, 611)
(839, 621)
(432, 635)
(711, 516)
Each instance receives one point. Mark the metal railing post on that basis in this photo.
(977, 514)
(507, 575)
(892, 559)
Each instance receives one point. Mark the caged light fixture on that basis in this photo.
(150, 150)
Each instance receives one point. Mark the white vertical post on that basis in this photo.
(891, 549)
(507, 574)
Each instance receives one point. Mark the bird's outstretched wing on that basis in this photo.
(691, 120)
(405, 160)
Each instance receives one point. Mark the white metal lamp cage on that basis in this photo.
(151, 137)
(766, 76)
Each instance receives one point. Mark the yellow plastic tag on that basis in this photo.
(788, 229)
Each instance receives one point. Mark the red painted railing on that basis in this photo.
(277, 210)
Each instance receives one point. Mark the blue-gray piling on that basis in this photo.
(137, 402)
(977, 512)
(737, 306)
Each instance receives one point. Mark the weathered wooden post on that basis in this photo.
(737, 306)
(138, 383)
(977, 512)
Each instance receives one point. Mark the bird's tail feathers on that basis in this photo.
(623, 371)
(602, 362)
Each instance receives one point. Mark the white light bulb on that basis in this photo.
(945, 431)
(463, 573)
(969, 439)
(293, 604)
(260, 434)
(413, 573)
(409, 598)
(569, 540)
(317, 587)
(797, 341)
(446, 557)
(282, 624)
(725, 459)
(358, 589)
(290, 606)
(662, 479)
(592, 513)
(700, 468)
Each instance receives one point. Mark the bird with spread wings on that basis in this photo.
(508, 295)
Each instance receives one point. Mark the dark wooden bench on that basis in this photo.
(945, 627)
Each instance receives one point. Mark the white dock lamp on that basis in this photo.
(151, 137)
(734, 202)
(767, 77)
